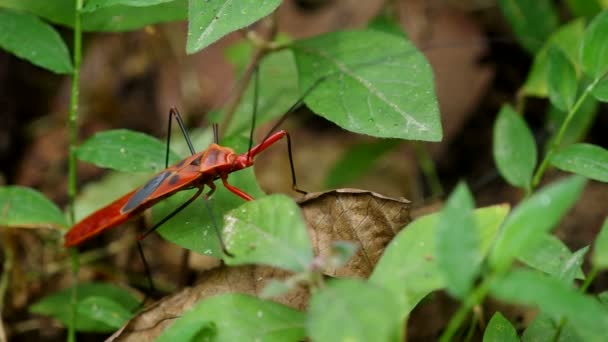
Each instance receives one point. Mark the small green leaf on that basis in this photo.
(57, 305)
(549, 255)
(256, 234)
(594, 49)
(29, 38)
(369, 82)
(544, 325)
(93, 5)
(358, 161)
(457, 246)
(587, 8)
(408, 267)
(275, 288)
(27, 208)
(514, 148)
(532, 219)
(362, 311)
(341, 253)
(387, 23)
(561, 79)
(499, 329)
(210, 20)
(531, 21)
(579, 125)
(599, 258)
(556, 298)
(573, 265)
(588, 160)
(600, 91)
(104, 310)
(236, 317)
(125, 150)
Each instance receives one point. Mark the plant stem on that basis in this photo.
(474, 298)
(427, 165)
(560, 134)
(73, 140)
(589, 279)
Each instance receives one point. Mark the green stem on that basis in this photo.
(589, 279)
(560, 134)
(474, 298)
(73, 137)
(427, 165)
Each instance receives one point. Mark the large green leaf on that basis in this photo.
(113, 18)
(210, 20)
(27, 208)
(104, 310)
(556, 298)
(457, 248)
(352, 310)
(28, 37)
(594, 49)
(369, 82)
(545, 325)
(549, 255)
(408, 267)
(500, 329)
(236, 317)
(93, 5)
(57, 305)
(561, 79)
(584, 159)
(532, 219)
(514, 148)
(531, 21)
(269, 231)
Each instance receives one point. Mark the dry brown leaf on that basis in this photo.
(363, 217)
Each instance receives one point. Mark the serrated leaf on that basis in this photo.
(108, 19)
(600, 91)
(531, 21)
(125, 150)
(567, 38)
(358, 161)
(362, 311)
(514, 148)
(594, 50)
(549, 255)
(499, 330)
(561, 79)
(587, 160)
(210, 20)
(29, 38)
(236, 317)
(369, 82)
(408, 267)
(556, 298)
(104, 310)
(57, 305)
(256, 234)
(22, 207)
(94, 5)
(532, 219)
(599, 258)
(457, 246)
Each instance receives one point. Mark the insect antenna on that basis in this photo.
(174, 113)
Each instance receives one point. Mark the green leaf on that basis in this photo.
(369, 82)
(210, 20)
(567, 38)
(561, 79)
(594, 49)
(499, 330)
(549, 255)
(93, 5)
(587, 8)
(573, 265)
(600, 91)
(388, 24)
(543, 326)
(457, 245)
(28, 208)
(556, 298)
(588, 160)
(352, 310)
(531, 21)
(599, 258)
(408, 267)
(579, 125)
(29, 38)
(236, 317)
(256, 234)
(514, 148)
(125, 150)
(193, 228)
(278, 88)
(57, 305)
(104, 310)
(109, 19)
(358, 161)
(532, 219)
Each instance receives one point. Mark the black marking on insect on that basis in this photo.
(142, 194)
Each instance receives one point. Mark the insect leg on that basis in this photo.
(173, 112)
(294, 185)
(215, 226)
(146, 269)
(236, 190)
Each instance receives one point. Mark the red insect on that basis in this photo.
(197, 171)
